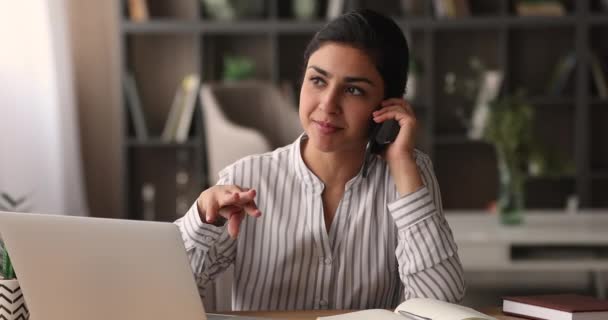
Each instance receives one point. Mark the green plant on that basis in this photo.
(509, 125)
(6, 270)
(509, 128)
(238, 68)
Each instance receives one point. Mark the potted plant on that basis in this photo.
(12, 303)
(506, 121)
(509, 129)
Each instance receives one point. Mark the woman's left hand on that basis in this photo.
(403, 146)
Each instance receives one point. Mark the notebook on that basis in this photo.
(416, 309)
(557, 307)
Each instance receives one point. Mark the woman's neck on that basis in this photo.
(333, 168)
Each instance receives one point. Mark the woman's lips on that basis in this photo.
(326, 127)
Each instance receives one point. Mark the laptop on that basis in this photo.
(74, 268)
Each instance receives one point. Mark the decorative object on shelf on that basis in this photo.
(415, 73)
(134, 106)
(478, 90)
(12, 302)
(304, 9)
(536, 8)
(451, 8)
(182, 182)
(219, 9)
(179, 120)
(490, 83)
(519, 154)
(138, 10)
(334, 8)
(234, 9)
(562, 73)
(249, 9)
(506, 121)
(411, 8)
(598, 72)
(238, 68)
(509, 129)
(148, 197)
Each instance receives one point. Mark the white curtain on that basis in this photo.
(39, 146)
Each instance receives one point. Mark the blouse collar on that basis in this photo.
(309, 179)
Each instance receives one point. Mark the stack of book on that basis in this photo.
(556, 307)
(551, 8)
(179, 121)
(451, 8)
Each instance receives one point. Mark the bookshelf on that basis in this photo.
(181, 38)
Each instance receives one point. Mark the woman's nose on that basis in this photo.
(331, 101)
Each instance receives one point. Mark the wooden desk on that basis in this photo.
(313, 314)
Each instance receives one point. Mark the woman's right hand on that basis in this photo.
(230, 202)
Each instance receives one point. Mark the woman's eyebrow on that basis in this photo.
(358, 79)
(348, 79)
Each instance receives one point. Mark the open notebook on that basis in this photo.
(417, 309)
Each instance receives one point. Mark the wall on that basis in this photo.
(95, 44)
(39, 139)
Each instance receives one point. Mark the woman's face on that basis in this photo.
(341, 89)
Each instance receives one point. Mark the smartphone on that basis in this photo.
(380, 136)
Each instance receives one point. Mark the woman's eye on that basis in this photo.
(317, 81)
(354, 91)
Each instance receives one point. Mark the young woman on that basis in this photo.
(303, 226)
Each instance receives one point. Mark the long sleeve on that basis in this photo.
(426, 252)
(209, 248)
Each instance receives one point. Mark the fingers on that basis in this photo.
(396, 113)
(237, 198)
(395, 108)
(235, 215)
(230, 202)
(211, 209)
(234, 224)
(252, 209)
(395, 104)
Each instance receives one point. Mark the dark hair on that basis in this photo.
(378, 36)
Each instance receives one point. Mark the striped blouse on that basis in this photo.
(381, 248)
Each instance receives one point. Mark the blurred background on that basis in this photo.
(128, 109)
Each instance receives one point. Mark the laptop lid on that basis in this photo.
(74, 268)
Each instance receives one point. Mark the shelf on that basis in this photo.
(598, 19)
(551, 100)
(599, 101)
(501, 21)
(450, 139)
(157, 143)
(550, 178)
(156, 26)
(177, 41)
(160, 26)
(224, 27)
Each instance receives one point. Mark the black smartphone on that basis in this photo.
(380, 136)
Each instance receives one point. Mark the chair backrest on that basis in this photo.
(259, 106)
(245, 118)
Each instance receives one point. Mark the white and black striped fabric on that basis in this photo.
(381, 248)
